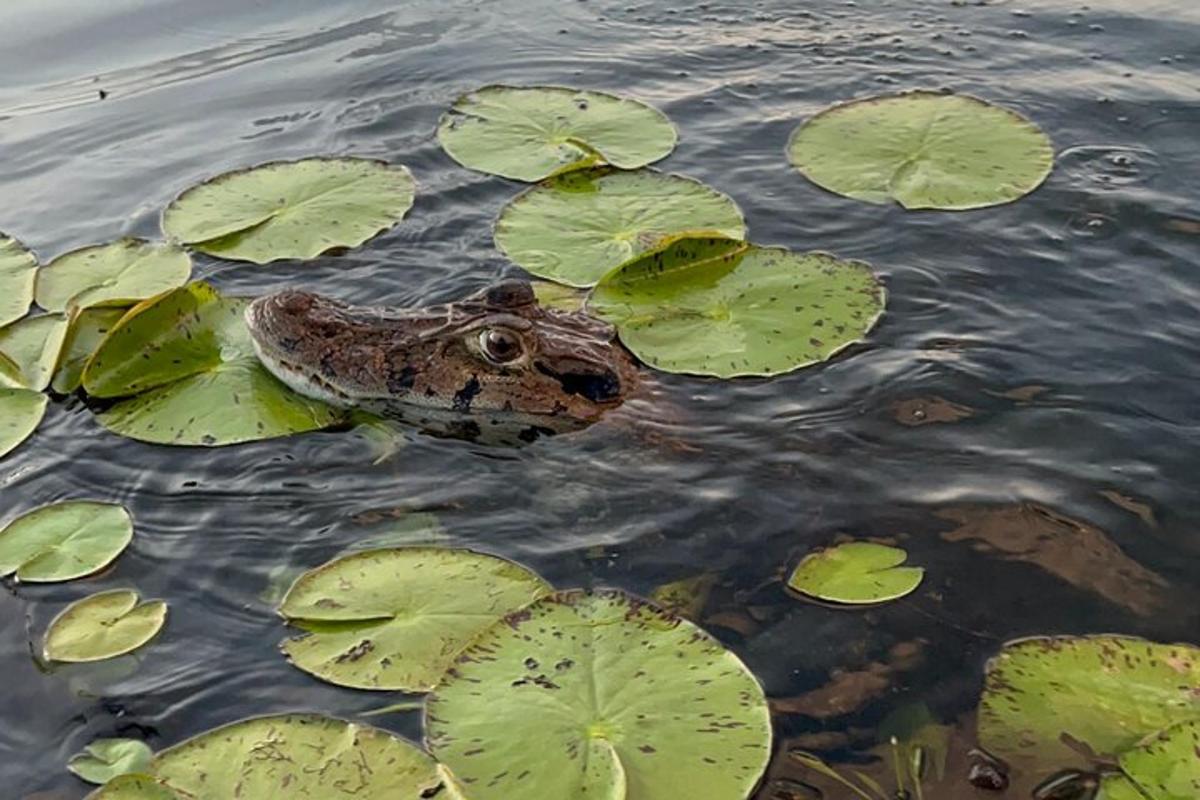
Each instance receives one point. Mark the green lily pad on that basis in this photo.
(133, 787)
(33, 344)
(528, 133)
(395, 618)
(300, 755)
(291, 209)
(923, 150)
(105, 759)
(64, 541)
(186, 364)
(18, 273)
(1048, 700)
(599, 694)
(10, 374)
(1164, 767)
(118, 273)
(856, 573)
(87, 330)
(559, 296)
(21, 411)
(576, 227)
(713, 306)
(104, 625)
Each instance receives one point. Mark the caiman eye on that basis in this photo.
(501, 346)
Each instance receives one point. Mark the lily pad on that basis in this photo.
(18, 272)
(105, 759)
(304, 755)
(33, 344)
(104, 625)
(1054, 700)
(133, 787)
(118, 273)
(559, 296)
(576, 227)
(185, 363)
(64, 541)
(856, 573)
(1164, 767)
(21, 411)
(528, 133)
(87, 330)
(291, 209)
(712, 306)
(923, 150)
(599, 694)
(395, 618)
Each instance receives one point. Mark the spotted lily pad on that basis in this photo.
(33, 344)
(599, 694)
(1164, 767)
(87, 330)
(528, 133)
(104, 625)
(118, 273)
(105, 759)
(712, 306)
(296, 755)
(133, 787)
(1054, 700)
(575, 228)
(21, 410)
(923, 150)
(856, 573)
(291, 209)
(64, 541)
(18, 272)
(395, 618)
(185, 364)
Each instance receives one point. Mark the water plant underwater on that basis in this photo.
(619, 697)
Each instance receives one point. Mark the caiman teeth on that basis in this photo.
(315, 379)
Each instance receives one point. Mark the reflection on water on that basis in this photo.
(1018, 416)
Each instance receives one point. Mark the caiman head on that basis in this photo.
(495, 352)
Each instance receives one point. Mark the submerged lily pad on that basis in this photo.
(21, 410)
(33, 344)
(599, 694)
(118, 273)
(923, 150)
(528, 133)
(105, 759)
(1164, 767)
(856, 573)
(185, 363)
(133, 787)
(576, 227)
(64, 541)
(296, 755)
(104, 625)
(712, 306)
(1050, 700)
(395, 618)
(87, 330)
(18, 273)
(291, 209)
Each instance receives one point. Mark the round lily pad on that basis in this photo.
(33, 344)
(291, 209)
(1049, 699)
(296, 755)
(186, 365)
(576, 227)
(64, 541)
(528, 133)
(711, 306)
(923, 150)
(104, 625)
(599, 694)
(133, 787)
(1166, 766)
(21, 410)
(87, 330)
(856, 573)
(118, 273)
(395, 618)
(105, 759)
(18, 272)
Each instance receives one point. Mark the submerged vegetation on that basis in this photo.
(535, 692)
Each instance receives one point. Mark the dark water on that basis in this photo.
(1058, 338)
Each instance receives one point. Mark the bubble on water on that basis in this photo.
(1109, 165)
